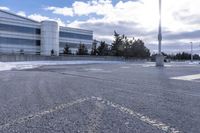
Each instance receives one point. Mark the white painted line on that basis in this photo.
(97, 70)
(94, 69)
(148, 65)
(153, 122)
(153, 65)
(125, 67)
(188, 77)
(40, 114)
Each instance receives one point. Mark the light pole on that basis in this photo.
(191, 51)
(199, 53)
(160, 57)
(160, 28)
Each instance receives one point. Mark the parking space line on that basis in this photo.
(98, 70)
(194, 77)
(125, 67)
(153, 122)
(40, 114)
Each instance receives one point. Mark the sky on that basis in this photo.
(134, 18)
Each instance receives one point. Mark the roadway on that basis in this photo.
(94, 98)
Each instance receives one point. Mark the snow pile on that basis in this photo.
(194, 63)
(5, 66)
(34, 64)
(18, 66)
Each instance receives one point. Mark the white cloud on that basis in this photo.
(129, 11)
(113, 17)
(4, 8)
(140, 17)
(173, 10)
(36, 17)
(101, 7)
(39, 18)
(21, 13)
(143, 12)
(59, 21)
(62, 11)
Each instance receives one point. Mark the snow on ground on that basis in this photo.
(194, 63)
(33, 64)
(186, 62)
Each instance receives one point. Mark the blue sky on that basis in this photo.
(36, 6)
(138, 18)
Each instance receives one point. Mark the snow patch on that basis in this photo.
(187, 77)
(34, 64)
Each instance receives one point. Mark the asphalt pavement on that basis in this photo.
(101, 98)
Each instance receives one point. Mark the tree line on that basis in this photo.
(121, 46)
(182, 56)
(127, 48)
(178, 56)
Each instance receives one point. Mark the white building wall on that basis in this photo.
(49, 37)
(19, 35)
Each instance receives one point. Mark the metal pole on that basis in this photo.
(191, 51)
(160, 57)
(199, 53)
(160, 28)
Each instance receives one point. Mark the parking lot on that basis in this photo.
(101, 97)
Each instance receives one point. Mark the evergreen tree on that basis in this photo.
(117, 45)
(94, 48)
(122, 46)
(66, 50)
(52, 52)
(82, 50)
(103, 49)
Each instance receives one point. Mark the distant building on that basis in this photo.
(22, 35)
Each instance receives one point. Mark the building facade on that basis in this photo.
(22, 35)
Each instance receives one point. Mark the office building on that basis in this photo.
(22, 35)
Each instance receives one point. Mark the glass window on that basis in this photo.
(72, 45)
(76, 36)
(13, 28)
(5, 40)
